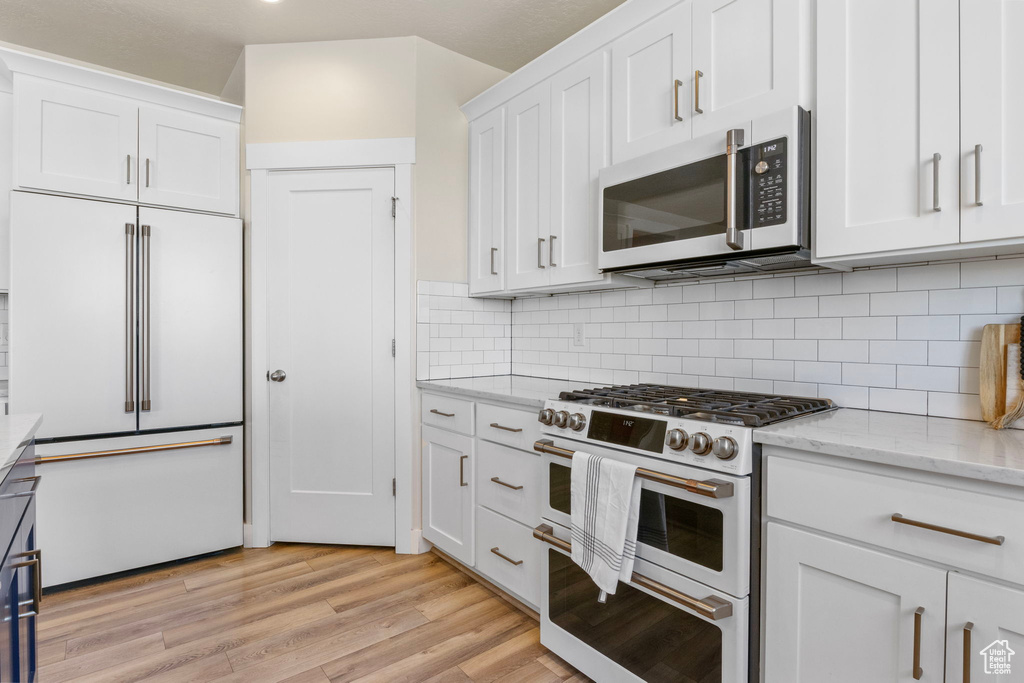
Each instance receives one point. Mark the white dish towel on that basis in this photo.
(605, 511)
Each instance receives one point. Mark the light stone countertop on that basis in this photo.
(960, 448)
(530, 392)
(15, 433)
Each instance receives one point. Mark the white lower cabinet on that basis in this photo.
(448, 520)
(984, 631)
(509, 555)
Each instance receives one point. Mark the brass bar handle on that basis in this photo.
(540, 249)
(506, 485)
(918, 671)
(219, 441)
(435, 411)
(506, 557)
(936, 158)
(677, 85)
(968, 628)
(551, 250)
(129, 318)
(733, 142)
(507, 429)
(977, 176)
(991, 540)
(145, 364)
(493, 251)
(24, 494)
(711, 607)
(128, 170)
(462, 470)
(712, 488)
(37, 588)
(147, 172)
(696, 91)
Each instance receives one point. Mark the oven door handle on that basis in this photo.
(712, 488)
(711, 607)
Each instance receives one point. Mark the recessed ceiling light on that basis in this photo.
(272, 1)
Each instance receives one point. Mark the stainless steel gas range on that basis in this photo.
(691, 611)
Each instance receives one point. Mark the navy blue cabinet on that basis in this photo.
(20, 571)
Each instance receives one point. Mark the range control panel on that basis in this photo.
(768, 183)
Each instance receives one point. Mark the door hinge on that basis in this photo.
(394, 488)
(394, 201)
(392, 348)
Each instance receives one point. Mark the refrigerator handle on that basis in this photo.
(147, 403)
(129, 317)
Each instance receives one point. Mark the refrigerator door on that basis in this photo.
(72, 314)
(190, 319)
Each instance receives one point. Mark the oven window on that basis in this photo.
(652, 639)
(679, 527)
(677, 204)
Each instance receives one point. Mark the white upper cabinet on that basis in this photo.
(528, 185)
(991, 102)
(888, 126)
(651, 85)
(187, 160)
(486, 203)
(746, 53)
(75, 140)
(578, 151)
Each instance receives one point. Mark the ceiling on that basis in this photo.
(196, 43)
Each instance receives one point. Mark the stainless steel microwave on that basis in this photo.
(737, 201)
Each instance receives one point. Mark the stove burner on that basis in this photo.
(727, 407)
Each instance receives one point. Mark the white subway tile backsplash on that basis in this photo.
(869, 375)
(773, 329)
(971, 326)
(718, 310)
(818, 372)
(900, 352)
(818, 328)
(698, 293)
(731, 291)
(939, 276)
(928, 377)
(845, 396)
(899, 303)
(898, 401)
(869, 328)
(667, 295)
(753, 348)
(773, 369)
(981, 300)
(844, 350)
(797, 307)
(796, 349)
(860, 281)
(992, 273)
(928, 327)
(965, 354)
(755, 308)
(844, 306)
(818, 285)
(962, 406)
(1010, 300)
(773, 288)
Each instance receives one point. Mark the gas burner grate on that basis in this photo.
(729, 407)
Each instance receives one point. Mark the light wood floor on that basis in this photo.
(300, 613)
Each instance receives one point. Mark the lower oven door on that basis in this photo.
(704, 538)
(658, 627)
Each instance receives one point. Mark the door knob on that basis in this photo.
(277, 376)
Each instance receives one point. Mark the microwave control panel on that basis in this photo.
(768, 183)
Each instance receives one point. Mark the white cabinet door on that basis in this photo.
(6, 184)
(985, 629)
(75, 140)
(746, 61)
(991, 99)
(649, 109)
(837, 612)
(486, 203)
(187, 160)
(448, 520)
(190, 351)
(888, 103)
(578, 150)
(73, 346)
(528, 185)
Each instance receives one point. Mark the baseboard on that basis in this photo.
(507, 597)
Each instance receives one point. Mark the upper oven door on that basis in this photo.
(703, 538)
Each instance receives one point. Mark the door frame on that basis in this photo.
(260, 161)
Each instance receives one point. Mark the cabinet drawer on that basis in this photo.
(509, 481)
(518, 567)
(449, 413)
(517, 428)
(860, 505)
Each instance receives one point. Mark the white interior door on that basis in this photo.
(331, 324)
(190, 354)
(72, 314)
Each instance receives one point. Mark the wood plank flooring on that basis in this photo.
(297, 613)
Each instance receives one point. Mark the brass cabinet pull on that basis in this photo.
(24, 494)
(462, 470)
(551, 250)
(219, 441)
(677, 85)
(918, 671)
(128, 170)
(435, 411)
(501, 483)
(968, 627)
(712, 607)
(977, 175)
(712, 488)
(507, 429)
(992, 540)
(493, 250)
(540, 249)
(147, 172)
(696, 91)
(936, 158)
(144, 300)
(129, 317)
(506, 558)
(37, 581)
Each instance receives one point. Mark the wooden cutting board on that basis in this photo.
(996, 374)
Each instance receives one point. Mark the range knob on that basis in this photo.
(677, 439)
(577, 421)
(700, 443)
(561, 419)
(761, 168)
(546, 416)
(724, 448)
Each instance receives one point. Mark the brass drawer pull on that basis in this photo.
(435, 411)
(918, 671)
(219, 441)
(993, 540)
(500, 482)
(968, 628)
(507, 429)
(462, 470)
(506, 558)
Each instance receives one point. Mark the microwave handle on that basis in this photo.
(733, 142)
